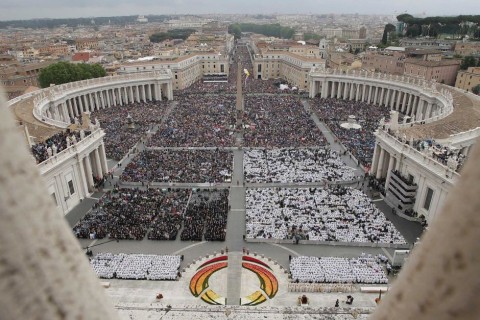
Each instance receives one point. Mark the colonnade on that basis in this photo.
(92, 163)
(383, 163)
(407, 102)
(92, 100)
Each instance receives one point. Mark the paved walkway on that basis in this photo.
(234, 278)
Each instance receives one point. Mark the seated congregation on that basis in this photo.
(129, 214)
(136, 266)
(295, 165)
(364, 269)
(323, 214)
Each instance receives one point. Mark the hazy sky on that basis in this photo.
(28, 9)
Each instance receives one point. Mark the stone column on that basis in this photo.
(370, 89)
(103, 158)
(149, 92)
(80, 102)
(75, 107)
(381, 97)
(380, 164)
(70, 109)
(387, 100)
(429, 110)
(375, 97)
(109, 98)
(364, 93)
(89, 173)
(404, 102)
(83, 177)
(376, 154)
(352, 90)
(391, 164)
(102, 99)
(130, 90)
(137, 88)
(66, 117)
(419, 114)
(98, 165)
(97, 102)
(399, 98)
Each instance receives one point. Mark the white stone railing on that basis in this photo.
(462, 137)
(430, 164)
(73, 150)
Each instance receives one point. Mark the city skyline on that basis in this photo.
(29, 9)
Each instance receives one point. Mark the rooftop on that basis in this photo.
(465, 116)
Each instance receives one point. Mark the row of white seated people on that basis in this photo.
(55, 144)
(205, 121)
(337, 270)
(119, 137)
(200, 166)
(334, 213)
(279, 121)
(206, 216)
(136, 266)
(361, 142)
(320, 287)
(295, 165)
(130, 213)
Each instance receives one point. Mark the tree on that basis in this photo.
(476, 89)
(386, 31)
(235, 30)
(467, 62)
(64, 72)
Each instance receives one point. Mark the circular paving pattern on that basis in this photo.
(267, 282)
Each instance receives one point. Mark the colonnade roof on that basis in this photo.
(465, 116)
(23, 111)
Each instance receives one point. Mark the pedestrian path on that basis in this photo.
(234, 278)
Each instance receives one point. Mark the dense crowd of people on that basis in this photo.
(198, 122)
(55, 144)
(119, 138)
(279, 122)
(136, 266)
(129, 213)
(200, 166)
(360, 142)
(330, 214)
(132, 213)
(206, 216)
(364, 269)
(295, 165)
(448, 156)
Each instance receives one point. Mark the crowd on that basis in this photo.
(55, 144)
(169, 217)
(136, 266)
(200, 166)
(360, 142)
(279, 122)
(119, 138)
(129, 213)
(441, 153)
(204, 122)
(331, 214)
(206, 216)
(365, 269)
(295, 165)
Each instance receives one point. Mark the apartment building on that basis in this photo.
(468, 79)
